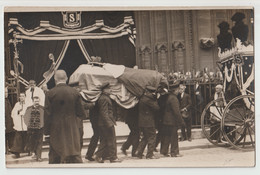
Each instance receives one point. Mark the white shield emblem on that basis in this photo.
(71, 19)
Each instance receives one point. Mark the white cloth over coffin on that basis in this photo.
(115, 70)
(91, 78)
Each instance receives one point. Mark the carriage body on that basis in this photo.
(230, 121)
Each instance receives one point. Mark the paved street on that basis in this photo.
(204, 155)
(198, 153)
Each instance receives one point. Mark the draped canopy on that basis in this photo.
(109, 35)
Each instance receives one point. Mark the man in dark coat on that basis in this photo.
(147, 108)
(162, 97)
(131, 120)
(33, 118)
(106, 122)
(93, 117)
(185, 105)
(62, 107)
(172, 119)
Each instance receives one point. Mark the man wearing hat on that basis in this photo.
(106, 126)
(172, 119)
(146, 120)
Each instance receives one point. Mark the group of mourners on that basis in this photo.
(60, 111)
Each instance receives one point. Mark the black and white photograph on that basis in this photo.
(129, 88)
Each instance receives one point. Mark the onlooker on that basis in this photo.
(62, 107)
(20, 127)
(34, 91)
(9, 124)
(34, 121)
(215, 131)
(185, 105)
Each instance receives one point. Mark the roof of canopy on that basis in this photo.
(52, 30)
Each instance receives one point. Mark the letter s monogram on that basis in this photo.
(71, 17)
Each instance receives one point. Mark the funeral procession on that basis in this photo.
(151, 88)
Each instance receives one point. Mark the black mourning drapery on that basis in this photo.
(71, 61)
(34, 54)
(115, 51)
(34, 57)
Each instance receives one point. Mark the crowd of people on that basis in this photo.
(201, 76)
(60, 111)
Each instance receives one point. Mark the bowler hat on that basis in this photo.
(174, 84)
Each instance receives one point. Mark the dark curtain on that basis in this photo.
(34, 57)
(115, 51)
(71, 61)
(34, 54)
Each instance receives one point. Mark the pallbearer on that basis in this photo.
(147, 108)
(172, 120)
(106, 122)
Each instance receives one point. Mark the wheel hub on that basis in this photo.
(248, 122)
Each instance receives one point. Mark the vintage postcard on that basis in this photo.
(135, 87)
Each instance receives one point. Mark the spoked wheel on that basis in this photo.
(211, 122)
(238, 122)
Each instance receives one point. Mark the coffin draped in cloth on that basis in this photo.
(126, 84)
(136, 80)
